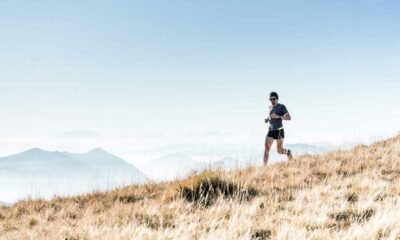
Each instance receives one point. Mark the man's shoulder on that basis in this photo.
(281, 105)
(283, 108)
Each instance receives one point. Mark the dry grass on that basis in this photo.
(340, 195)
(205, 189)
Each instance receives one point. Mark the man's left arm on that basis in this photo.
(286, 116)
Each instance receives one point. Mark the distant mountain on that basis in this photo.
(40, 173)
(110, 166)
(96, 163)
(230, 163)
(40, 162)
(171, 167)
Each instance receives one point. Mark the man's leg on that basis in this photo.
(268, 144)
(281, 150)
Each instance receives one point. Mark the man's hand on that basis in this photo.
(274, 116)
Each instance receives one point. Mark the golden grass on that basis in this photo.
(350, 194)
(205, 189)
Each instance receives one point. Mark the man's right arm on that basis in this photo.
(269, 116)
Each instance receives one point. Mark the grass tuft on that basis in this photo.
(344, 219)
(351, 197)
(154, 221)
(32, 222)
(261, 234)
(204, 190)
(128, 198)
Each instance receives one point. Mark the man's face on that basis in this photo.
(273, 100)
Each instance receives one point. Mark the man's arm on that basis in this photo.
(269, 116)
(286, 116)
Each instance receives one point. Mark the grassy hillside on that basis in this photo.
(340, 195)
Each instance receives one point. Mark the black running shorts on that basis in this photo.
(276, 134)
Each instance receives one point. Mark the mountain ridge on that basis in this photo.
(40, 173)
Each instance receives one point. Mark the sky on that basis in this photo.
(134, 75)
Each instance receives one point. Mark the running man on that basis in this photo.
(277, 113)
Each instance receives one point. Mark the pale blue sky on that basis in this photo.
(130, 69)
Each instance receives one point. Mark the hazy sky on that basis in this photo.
(126, 74)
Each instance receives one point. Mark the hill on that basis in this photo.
(37, 172)
(350, 194)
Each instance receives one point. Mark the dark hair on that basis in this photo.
(273, 94)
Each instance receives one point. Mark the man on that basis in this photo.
(277, 113)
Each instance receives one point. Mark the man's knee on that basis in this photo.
(281, 150)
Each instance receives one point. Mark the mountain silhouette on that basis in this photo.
(40, 173)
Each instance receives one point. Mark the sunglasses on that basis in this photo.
(272, 99)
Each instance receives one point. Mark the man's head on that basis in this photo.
(273, 98)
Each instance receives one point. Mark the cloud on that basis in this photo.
(153, 135)
(217, 134)
(78, 134)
